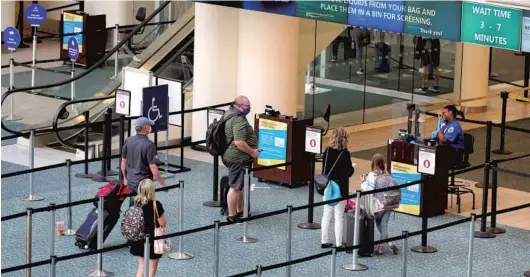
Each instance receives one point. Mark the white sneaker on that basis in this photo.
(360, 71)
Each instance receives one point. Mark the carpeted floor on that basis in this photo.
(517, 142)
(505, 255)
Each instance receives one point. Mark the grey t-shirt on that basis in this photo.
(139, 152)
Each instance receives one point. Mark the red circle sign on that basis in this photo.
(426, 163)
(313, 143)
(122, 104)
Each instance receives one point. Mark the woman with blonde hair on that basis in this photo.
(381, 215)
(152, 209)
(338, 167)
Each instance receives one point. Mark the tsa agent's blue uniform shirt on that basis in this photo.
(454, 134)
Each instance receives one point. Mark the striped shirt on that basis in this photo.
(238, 128)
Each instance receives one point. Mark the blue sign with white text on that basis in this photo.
(429, 19)
(11, 38)
(73, 49)
(277, 7)
(156, 106)
(35, 14)
(381, 15)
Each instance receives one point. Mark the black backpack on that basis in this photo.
(216, 143)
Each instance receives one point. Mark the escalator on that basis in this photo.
(170, 55)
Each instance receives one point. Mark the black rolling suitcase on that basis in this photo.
(382, 53)
(366, 238)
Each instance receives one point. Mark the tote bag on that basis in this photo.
(332, 192)
(161, 246)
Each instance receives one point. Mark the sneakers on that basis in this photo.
(334, 59)
(435, 89)
(421, 90)
(360, 71)
(233, 219)
(326, 245)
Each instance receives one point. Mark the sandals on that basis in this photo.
(379, 251)
(394, 249)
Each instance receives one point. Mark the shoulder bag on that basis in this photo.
(322, 180)
(161, 246)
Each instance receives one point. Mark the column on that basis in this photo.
(215, 63)
(471, 75)
(268, 61)
(8, 14)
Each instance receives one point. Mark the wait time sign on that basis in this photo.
(490, 25)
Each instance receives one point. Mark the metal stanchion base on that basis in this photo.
(171, 168)
(310, 225)
(84, 176)
(32, 198)
(99, 273)
(484, 235)
(12, 117)
(69, 232)
(481, 186)
(109, 173)
(424, 249)
(247, 239)
(180, 256)
(495, 230)
(212, 204)
(355, 267)
(501, 152)
(527, 273)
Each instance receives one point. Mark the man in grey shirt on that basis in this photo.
(139, 157)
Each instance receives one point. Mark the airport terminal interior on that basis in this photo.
(77, 74)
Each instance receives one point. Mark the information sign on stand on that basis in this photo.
(426, 160)
(156, 106)
(11, 38)
(73, 49)
(214, 115)
(272, 141)
(123, 102)
(313, 140)
(35, 14)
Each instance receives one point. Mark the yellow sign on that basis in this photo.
(272, 141)
(411, 195)
(73, 23)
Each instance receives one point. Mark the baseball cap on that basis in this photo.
(143, 121)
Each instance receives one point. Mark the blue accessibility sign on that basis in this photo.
(11, 38)
(35, 14)
(73, 49)
(156, 106)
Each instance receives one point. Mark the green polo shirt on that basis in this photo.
(238, 128)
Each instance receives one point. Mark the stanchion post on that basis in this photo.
(121, 143)
(470, 252)
(29, 238)
(116, 57)
(424, 247)
(85, 174)
(354, 266)
(52, 228)
(246, 194)
(410, 112)
(494, 186)
(483, 233)
(33, 56)
(69, 230)
(215, 186)
(53, 264)
(258, 270)
(147, 254)
(101, 176)
(31, 196)
(289, 239)
(333, 263)
(99, 271)
(180, 254)
(487, 157)
(216, 243)
(405, 251)
(502, 150)
(311, 200)
(12, 116)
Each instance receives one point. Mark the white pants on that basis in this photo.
(338, 211)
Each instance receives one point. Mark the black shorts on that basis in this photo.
(236, 174)
(431, 56)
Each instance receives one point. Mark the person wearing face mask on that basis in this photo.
(451, 133)
(241, 152)
(139, 158)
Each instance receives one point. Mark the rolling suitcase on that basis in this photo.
(366, 237)
(382, 53)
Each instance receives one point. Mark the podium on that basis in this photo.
(281, 139)
(430, 197)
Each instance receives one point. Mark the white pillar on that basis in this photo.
(472, 75)
(268, 61)
(215, 63)
(8, 14)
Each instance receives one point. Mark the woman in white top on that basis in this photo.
(381, 216)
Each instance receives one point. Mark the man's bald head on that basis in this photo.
(242, 104)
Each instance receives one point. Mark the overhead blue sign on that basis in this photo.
(11, 38)
(278, 7)
(73, 49)
(430, 19)
(156, 106)
(35, 14)
(381, 15)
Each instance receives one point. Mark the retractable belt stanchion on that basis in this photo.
(470, 252)
(216, 243)
(99, 271)
(69, 230)
(354, 266)
(72, 86)
(121, 142)
(85, 174)
(494, 186)
(502, 150)
(405, 251)
(483, 232)
(246, 194)
(417, 132)
(410, 112)
(29, 238)
(424, 247)
(215, 192)
(108, 156)
(180, 254)
(258, 270)
(289, 239)
(53, 264)
(33, 55)
(31, 196)
(102, 176)
(310, 211)
(116, 57)
(147, 255)
(487, 157)
(12, 116)
(333, 263)
(52, 229)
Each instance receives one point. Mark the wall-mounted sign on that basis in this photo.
(381, 15)
(430, 19)
(491, 25)
(332, 11)
(277, 6)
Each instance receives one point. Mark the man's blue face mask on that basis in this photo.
(246, 111)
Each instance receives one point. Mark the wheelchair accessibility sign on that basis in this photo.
(156, 106)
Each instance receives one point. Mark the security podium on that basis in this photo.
(281, 139)
(410, 162)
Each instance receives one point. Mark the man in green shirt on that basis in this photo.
(240, 154)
